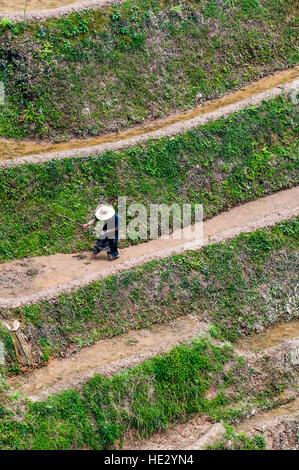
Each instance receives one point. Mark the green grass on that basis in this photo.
(100, 71)
(245, 156)
(238, 441)
(147, 398)
(240, 286)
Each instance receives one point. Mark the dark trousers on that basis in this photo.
(103, 243)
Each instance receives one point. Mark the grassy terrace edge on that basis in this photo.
(221, 164)
(100, 71)
(149, 397)
(240, 286)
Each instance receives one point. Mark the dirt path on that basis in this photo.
(109, 356)
(256, 422)
(252, 95)
(40, 10)
(29, 5)
(269, 338)
(278, 426)
(106, 357)
(43, 278)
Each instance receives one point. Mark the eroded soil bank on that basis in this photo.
(278, 427)
(31, 280)
(269, 338)
(20, 152)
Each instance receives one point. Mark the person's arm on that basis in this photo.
(91, 222)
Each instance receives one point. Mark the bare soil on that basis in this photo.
(181, 436)
(21, 152)
(19, 275)
(43, 9)
(29, 5)
(278, 426)
(269, 338)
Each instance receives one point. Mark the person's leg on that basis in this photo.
(113, 252)
(97, 249)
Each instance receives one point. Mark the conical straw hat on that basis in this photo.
(104, 212)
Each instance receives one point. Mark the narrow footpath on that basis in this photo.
(27, 281)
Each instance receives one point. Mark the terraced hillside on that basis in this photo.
(103, 70)
(221, 164)
(175, 345)
(208, 283)
(200, 283)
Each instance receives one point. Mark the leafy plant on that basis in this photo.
(6, 23)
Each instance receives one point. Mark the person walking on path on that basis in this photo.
(108, 236)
